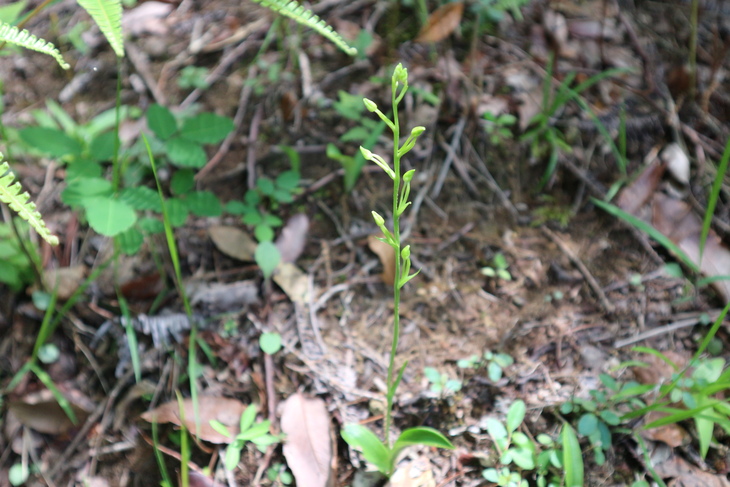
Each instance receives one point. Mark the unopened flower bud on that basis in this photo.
(370, 104)
(408, 176)
(379, 220)
(416, 131)
(368, 155)
(405, 253)
(400, 74)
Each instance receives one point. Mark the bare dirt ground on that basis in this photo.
(583, 287)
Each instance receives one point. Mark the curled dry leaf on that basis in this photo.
(66, 279)
(639, 192)
(441, 23)
(41, 412)
(308, 448)
(226, 411)
(386, 253)
(233, 242)
(293, 281)
(673, 434)
(293, 238)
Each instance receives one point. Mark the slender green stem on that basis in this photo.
(397, 278)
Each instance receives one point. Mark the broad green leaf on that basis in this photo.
(50, 141)
(495, 428)
(360, 437)
(263, 233)
(182, 181)
(609, 417)
(270, 342)
(204, 203)
(101, 148)
(78, 190)
(141, 198)
(266, 185)
(108, 16)
(206, 128)
(515, 415)
(161, 121)
(219, 427)
(494, 370)
(523, 458)
(109, 216)
(177, 211)
(247, 418)
(420, 435)
(83, 168)
(705, 426)
(587, 424)
(267, 257)
(130, 241)
(151, 226)
(185, 153)
(11, 12)
(233, 456)
(572, 458)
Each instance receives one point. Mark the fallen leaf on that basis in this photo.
(308, 448)
(673, 434)
(223, 297)
(233, 242)
(41, 412)
(416, 473)
(634, 196)
(200, 480)
(148, 17)
(684, 474)
(226, 411)
(677, 162)
(293, 238)
(66, 279)
(386, 253)
(441, 23)
(293, 281)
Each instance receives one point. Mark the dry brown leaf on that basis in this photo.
(634, 196)
(684, 474)
(200, 480)
(416, 473)
(66, 279)
(441, 23)
(673, 434)
(386, 253)
(308, 449)
(657, 370)
(222, 409)
(293, 281)
(293, 238)
(233, 242)
(41, 412)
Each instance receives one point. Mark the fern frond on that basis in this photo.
(10, 193)
(11, 35)
(304, 16)
(108, 16)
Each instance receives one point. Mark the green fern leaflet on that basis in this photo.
(11, 35)
(108, 16)
(306, 17)
(10, 194)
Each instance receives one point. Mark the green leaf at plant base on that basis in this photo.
(420, 435)
(109, 216)
(267, 257)
(572, 458)
(204, 203)
(270, 342)
(78, 190)
(50, 141)
(360, 437)
(141, 198)
(185, 153)
(247, 418)
(233, 456)
(101, 149)
(587, 424)
(83, 168)
(263, 233)
(206, 128)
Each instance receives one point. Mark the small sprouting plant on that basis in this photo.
(279, 475)
(249, 431)
(383, 454)
(270, 342)
(193, 77)
(495, 363)
(15, 268)
(440, 382)
(498, 269)
(513, 447)
(498, 128)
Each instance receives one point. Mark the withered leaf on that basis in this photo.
(293, 238)
(386, 253)
(441, 23)
(308, 448)
(226, 411)
(233, 242)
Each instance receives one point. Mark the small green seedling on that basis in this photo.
(250, 431)
(382, 454)
(495, 363)
(279, 475)
(498, 127)
(498, 269)
(270, 342)
(440, 382)
(193, 77)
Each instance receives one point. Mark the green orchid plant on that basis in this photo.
(383, 454)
